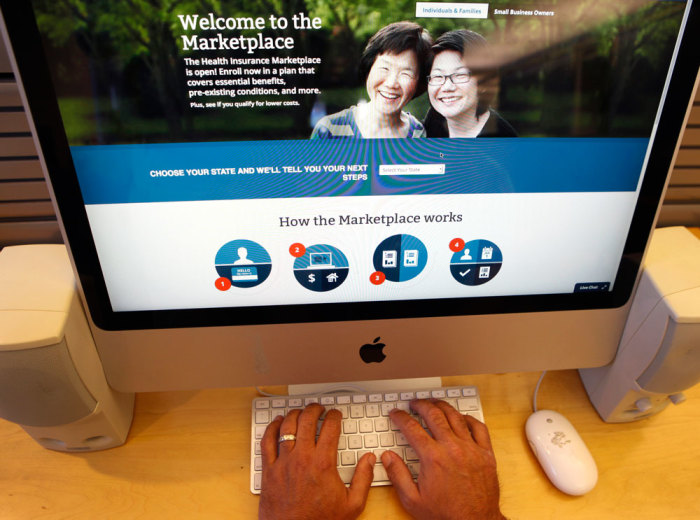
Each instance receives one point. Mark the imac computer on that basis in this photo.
(290, 192)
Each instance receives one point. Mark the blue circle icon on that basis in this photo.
(244, 262)
(477, 263)
(400, 257)
(321, 268)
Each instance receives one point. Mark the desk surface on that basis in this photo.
(187, 458)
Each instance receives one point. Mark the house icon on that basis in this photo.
(332, 278)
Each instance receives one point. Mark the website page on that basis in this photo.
(256, 153)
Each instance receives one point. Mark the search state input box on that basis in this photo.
(411, 169)
(451, 10)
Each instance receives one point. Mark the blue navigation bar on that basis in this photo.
(114, 174)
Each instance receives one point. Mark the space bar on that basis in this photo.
(347, 472)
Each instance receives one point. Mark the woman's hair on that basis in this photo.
(396, 38)
(464, 41)
(474, 50)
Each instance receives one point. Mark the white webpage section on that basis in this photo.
(162, 255)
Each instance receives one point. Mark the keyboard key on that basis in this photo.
(357, 411)
(386, 440)
(342, 409)
(401, 439)
(371, 440)
(347, 458)
(386, 408)
(361, 453)
(366, 426)
(468, 404)
(398, 451)
(411, 454)
(355, 442)
(403, 405)
(380, 474)
(381, 425)
(349, 426)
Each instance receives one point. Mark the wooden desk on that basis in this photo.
(187, 458)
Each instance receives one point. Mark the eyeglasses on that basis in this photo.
(457, 78)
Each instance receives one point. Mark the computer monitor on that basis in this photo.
(292, 194)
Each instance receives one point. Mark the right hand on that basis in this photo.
(457, 478)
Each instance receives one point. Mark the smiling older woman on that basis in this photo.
(459, 103)
(393, 66)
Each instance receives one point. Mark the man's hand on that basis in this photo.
(300, 479)
(457, 478)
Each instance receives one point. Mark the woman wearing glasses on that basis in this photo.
(460, 104)
(393, 66)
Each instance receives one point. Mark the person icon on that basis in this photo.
(243, 257)
(466, 255)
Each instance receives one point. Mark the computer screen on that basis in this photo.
(249, 186)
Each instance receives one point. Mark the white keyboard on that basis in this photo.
(366, 425)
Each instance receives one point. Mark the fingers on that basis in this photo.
(416, 436)
(400, 477)
(434, 418)
(480, 432)
(268, 444)
(361, 482)
(456, 420)
(307, 424)
(288, 427)
(327, 443)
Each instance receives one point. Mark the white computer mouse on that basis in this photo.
(561, 452)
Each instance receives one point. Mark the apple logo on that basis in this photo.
(372, 352)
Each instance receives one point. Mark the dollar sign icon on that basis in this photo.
(312, 278)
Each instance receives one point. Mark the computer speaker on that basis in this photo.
(51, 379)
(659, 353)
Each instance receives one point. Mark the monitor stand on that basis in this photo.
(379, 385)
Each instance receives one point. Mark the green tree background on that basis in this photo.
(597, 68)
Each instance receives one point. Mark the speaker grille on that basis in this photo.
(40, 387)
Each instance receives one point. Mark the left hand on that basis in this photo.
(300, 479)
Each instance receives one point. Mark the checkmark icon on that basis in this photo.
(464, 273)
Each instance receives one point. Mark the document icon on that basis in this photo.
(410, 258)
(389, 259)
